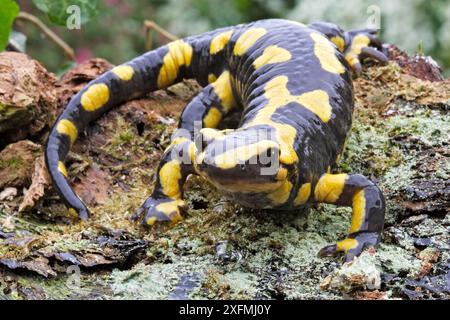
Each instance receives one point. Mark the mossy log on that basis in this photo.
(399, 139)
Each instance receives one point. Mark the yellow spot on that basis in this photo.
(231, 158)
(151, 221)
(169, 177)
(209, 134)
(211, 78)
(303, 194)
(281, 195)
(247, 40)
(212, 118)
(329, 187)
(220, 41)
(282, 174)
(222, 88)
(346, 244)
(317, 102)
(359, 210)
(72, 212)
(271, 55)
(124, 72)
(192, 151)
(358, 43)
(180, 54)
(171, 209)
(95, 97)
(68, 128)
(326, 53)
(62, 168)
(339, 42)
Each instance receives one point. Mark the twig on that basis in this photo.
(149, 26)
(68, 51)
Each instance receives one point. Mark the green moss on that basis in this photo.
(396, 260)
(369, 150)
(13, 163)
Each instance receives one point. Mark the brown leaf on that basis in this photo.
(93, 187)
(40, 183)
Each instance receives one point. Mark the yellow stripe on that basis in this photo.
(282, 174)
(358, 43)
(212, 118)
(62, 168)
(277, 93)
(124, 72)
(330, 187)
(68, 128)
(339, 42)
(318, 102)
(169, 176)
(151, 221)
(231, 158)
(180, 54)
(171, 209)
(326, 53)
(220, 41)
(281, 195)
(222, 88)
(346, 244)
(359, 210)
(271, 55)
(211, 78)
(95, 97)
(247, 40)
(303, 194)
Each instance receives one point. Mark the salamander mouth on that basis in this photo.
(258, 183)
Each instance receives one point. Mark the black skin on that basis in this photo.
(316, 143)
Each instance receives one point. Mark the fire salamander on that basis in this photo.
(293, 85)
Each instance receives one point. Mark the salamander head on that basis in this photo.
(243, 160)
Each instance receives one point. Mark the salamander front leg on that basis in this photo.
(368, 205)
(166, 202)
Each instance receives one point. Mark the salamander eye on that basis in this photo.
(243, 167)
(270, 152)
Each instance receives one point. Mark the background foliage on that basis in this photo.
(8, 12)
(115, 31)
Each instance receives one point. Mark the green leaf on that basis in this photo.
(58, 13)
(8, 12)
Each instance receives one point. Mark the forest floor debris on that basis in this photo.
(222, 251)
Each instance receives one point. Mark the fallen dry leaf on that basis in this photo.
(40, 183)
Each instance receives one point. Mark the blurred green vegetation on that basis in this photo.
(117, 33)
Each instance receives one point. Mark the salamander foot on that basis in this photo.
(352, 246)
(163, 209)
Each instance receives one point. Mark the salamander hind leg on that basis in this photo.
(363, 44)
(368, 204)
